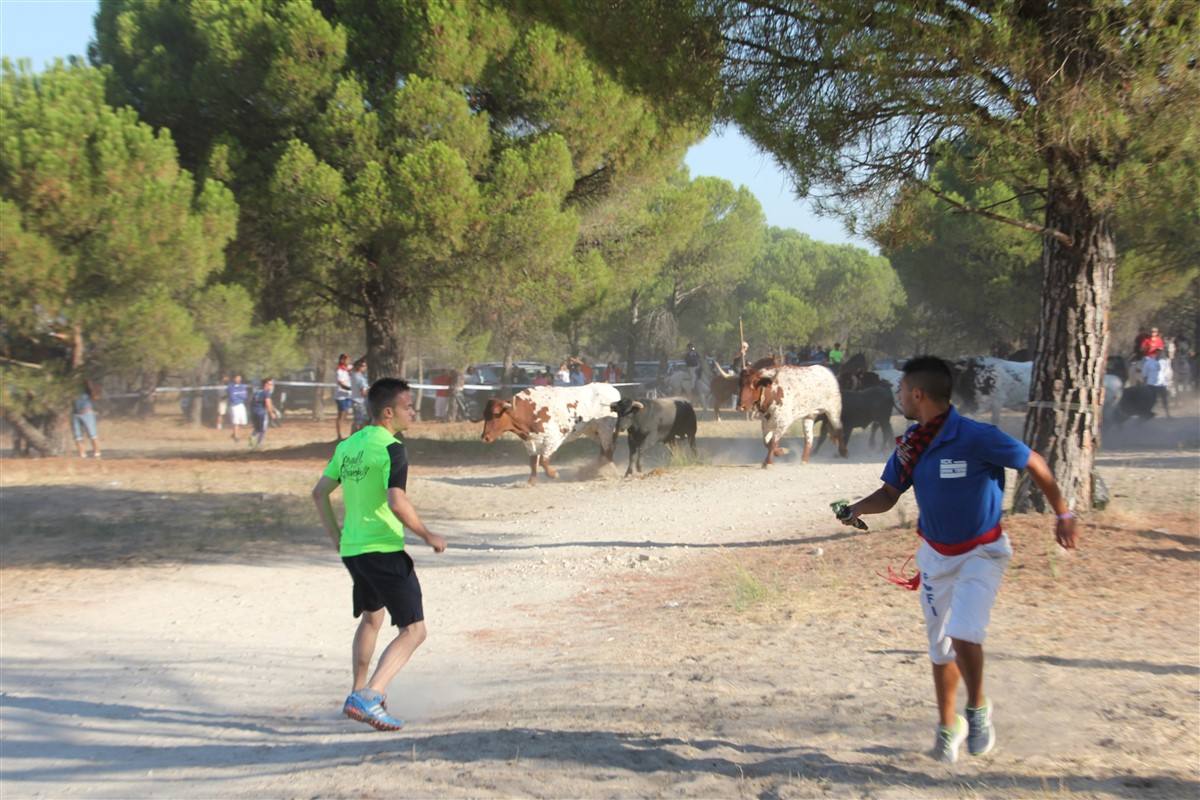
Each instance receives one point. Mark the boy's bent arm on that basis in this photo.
(320, 496)
(404, 510)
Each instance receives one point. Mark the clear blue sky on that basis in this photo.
(42, 30)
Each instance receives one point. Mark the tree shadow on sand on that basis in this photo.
(308, 748)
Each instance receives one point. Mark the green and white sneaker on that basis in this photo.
(981, 736)
(945, 747)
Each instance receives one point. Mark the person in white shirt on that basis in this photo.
(1156, 372)
(343, 393)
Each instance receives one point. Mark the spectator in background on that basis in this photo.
(543, 378)
(836, 355)
(575, 375)
(739, 360)
(611, 374)
(1152, 345)
(83, 420)
(791, 357)
(563, 376)
(1158, 378)
(358, 394)
(222, 404)
(237, 394)
(692, 359)
(441, 398)
(579, 365)
(264, 412)
(342, 392)
(1137, 342)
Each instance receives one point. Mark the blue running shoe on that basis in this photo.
(981, 737)
(367, 706)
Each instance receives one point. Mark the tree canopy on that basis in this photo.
(106, 239)
(385, 151)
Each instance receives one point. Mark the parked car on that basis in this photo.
(289, 399)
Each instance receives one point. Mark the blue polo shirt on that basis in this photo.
(959, 479)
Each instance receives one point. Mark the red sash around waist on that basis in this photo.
(987, 537)
(914, 582)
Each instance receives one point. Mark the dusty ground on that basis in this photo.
(175, 625)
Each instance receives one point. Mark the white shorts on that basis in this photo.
(441, 405)
(957, 593)
(237, 414)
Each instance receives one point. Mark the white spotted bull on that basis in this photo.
(545, 417)
(784, 395)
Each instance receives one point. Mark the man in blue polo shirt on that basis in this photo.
(956, 467)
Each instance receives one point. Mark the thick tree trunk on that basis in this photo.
(384, 350)
(1063, 421)
(509, 360)
(145, 401)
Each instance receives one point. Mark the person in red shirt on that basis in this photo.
(611, 374)
(1152, 344)
(441, 400)
(583, 368)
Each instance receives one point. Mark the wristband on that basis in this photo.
(1065, 515)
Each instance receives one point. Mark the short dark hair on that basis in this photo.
(382, 394)
(265, 381)
(931, 375)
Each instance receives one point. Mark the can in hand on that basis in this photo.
(841, 509)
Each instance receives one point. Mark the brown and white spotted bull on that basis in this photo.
(723, 387)
(544, 417)
(783, 395)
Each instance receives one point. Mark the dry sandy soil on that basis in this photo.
(175, 624)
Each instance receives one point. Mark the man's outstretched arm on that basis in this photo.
(404, 510)
(1064, 526)
(879, 501)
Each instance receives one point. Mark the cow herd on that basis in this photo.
(546, 417)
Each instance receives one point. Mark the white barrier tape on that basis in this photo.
(1056, 406)
(433, 386)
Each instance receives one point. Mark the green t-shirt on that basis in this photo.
(836, 356)
(366, 465)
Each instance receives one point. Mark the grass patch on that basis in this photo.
(749, 591)
(681, 456)
(1052, 557)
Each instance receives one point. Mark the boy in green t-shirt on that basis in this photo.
(372, 468)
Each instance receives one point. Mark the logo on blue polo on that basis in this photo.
(953, 469)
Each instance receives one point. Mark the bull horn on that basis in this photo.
(507, 406)
(637, 405)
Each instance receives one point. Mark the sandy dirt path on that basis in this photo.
(174, 625)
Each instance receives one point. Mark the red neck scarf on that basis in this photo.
(911, 445)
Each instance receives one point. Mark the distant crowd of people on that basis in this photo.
(1166, 363)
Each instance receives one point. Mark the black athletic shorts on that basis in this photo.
(386, 580)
